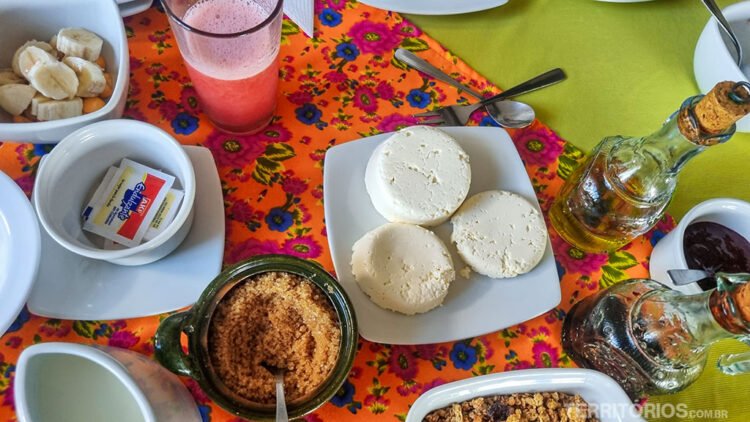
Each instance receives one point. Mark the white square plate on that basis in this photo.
(71, 286)
(605, 396)
(473, 307)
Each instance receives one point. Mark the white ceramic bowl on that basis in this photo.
(65, 381)
(23, 20)
(668, 254)
(601, 392)
(69, 174)
(714, 62)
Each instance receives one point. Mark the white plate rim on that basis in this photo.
(434, 7)
(37, 305)
(522, 381)
(545, 303)
(24, 251)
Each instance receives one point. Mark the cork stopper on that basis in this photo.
(716, 112)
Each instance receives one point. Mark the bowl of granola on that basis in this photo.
(550, 394)
(270, 310)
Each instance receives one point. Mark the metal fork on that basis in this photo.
(458, 115)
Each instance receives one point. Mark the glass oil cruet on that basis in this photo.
(623, 188)
(652, 339)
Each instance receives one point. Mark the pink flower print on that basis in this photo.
(123, 339)
(317, 193)
(252, 247)
(545, 356)
(364, 99)
(234, 150)
(13, 343)
(538, 146)
(408, 387)
(395, 122)
(135, 63)
(26, 183)
(336, 77)
(155, 68)
(158, 36)
(575, 260)
(336, 4)
(300, 97)
(312, 418)
(402, 362)
(488, 351)
(385, 90)
(521, 364)
(55, 328)
(169, 109)
(303, 247)
(189, 100)
(294, 185)
(432, 384)
(242, 211)
(427, 351)
(8, 395)
(274, 133)
(407, 29)
(196, 391)
(134, 88)
(134, 114)
(375, 38)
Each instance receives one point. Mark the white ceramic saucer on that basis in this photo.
(70, 286)
(19, 250)
(132, 7)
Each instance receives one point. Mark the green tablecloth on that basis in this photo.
(629, 66)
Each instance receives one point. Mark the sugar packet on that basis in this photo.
(128, 204)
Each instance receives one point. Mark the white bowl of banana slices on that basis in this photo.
(63, 65)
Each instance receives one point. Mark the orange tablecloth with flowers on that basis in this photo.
(339, 86)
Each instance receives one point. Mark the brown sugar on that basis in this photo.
(283, 320)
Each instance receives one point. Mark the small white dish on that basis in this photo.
(714, 60)
(132, 7)
(23, 20)
(668, 253)
(20, 248)
(69, 174)
(435, 7)
(601, 392)
(473, 307)
(64, 381)
(70, 286)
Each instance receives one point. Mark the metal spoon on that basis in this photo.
(278, 373)
(510, 114)
(716, 11)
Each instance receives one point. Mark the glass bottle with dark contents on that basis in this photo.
(652, 339)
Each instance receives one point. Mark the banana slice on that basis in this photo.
(56, 110)
(8, 76)
(33, 43)
(15, 98)
(55, 80)
(78, 42)
(91, 80)
(32, 55)
(38, 99)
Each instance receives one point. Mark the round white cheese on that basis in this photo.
(420, 175)
(499, 234)
(402, 267)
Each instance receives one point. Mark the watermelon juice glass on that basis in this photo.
(231, 49)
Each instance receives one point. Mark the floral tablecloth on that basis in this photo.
(339, 86)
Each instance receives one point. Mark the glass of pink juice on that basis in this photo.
(231, 49)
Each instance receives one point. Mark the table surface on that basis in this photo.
(328, 97)
(629, 67)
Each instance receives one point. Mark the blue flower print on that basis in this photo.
(279, 219)
(42, 149)
(418, 98)
(488, 121)
(21, 319)
(347, 51)
(330, 17)
(656, 236)
(308, 114)
(463, 356)
(184, 124)
(344, 396)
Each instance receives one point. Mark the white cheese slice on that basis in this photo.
(499, 234)
(420, 175)
(402, 267)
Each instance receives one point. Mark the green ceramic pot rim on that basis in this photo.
(196, 324)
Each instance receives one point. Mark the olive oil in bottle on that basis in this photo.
(625, 185)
